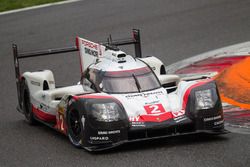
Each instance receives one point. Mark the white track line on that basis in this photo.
(38, 7)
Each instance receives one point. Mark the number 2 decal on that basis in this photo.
(62, 125)
(154, 109)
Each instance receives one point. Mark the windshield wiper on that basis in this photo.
(137, 83)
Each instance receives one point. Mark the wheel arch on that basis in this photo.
(75, 105)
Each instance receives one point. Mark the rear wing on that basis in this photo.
(135, 40)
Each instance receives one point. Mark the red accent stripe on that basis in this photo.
(77, 42)
(155, 118)
(42, 115)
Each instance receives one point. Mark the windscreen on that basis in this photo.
(129, 81)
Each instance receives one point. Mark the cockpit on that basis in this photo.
(127, 81)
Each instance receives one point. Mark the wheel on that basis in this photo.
(26, 104)
(75, 126)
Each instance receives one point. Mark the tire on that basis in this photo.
(75, 126)
(26, 104)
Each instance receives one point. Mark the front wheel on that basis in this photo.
(75, 125)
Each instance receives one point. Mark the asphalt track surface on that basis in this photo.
(171, 30)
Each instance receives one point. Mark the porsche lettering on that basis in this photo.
(90, 44)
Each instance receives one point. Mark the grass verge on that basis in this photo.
(6, 5)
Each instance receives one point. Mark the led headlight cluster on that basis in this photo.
(106, 112)
(204, 99)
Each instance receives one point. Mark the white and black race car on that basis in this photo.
(119, 99)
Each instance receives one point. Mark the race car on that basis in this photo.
(120, 98)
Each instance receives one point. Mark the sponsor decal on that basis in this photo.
(109, 132)
(144, 94)
(91, 52)
(153, 102)
(212, 118)
(91, 48)
(178, 113)
(103, 138)
(134, 119)
(138, 124)
(35, 83)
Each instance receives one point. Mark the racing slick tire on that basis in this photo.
(75, 125)
(26, 104)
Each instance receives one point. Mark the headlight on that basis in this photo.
(204, 99)
(106, 112)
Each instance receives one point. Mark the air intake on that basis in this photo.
(121, 58)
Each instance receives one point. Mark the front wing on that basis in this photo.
(102, 139)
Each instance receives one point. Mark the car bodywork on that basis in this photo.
(119, 99)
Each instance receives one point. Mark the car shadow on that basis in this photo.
(169, 142)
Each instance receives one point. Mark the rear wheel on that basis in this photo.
(75, 125)
(26, 104)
